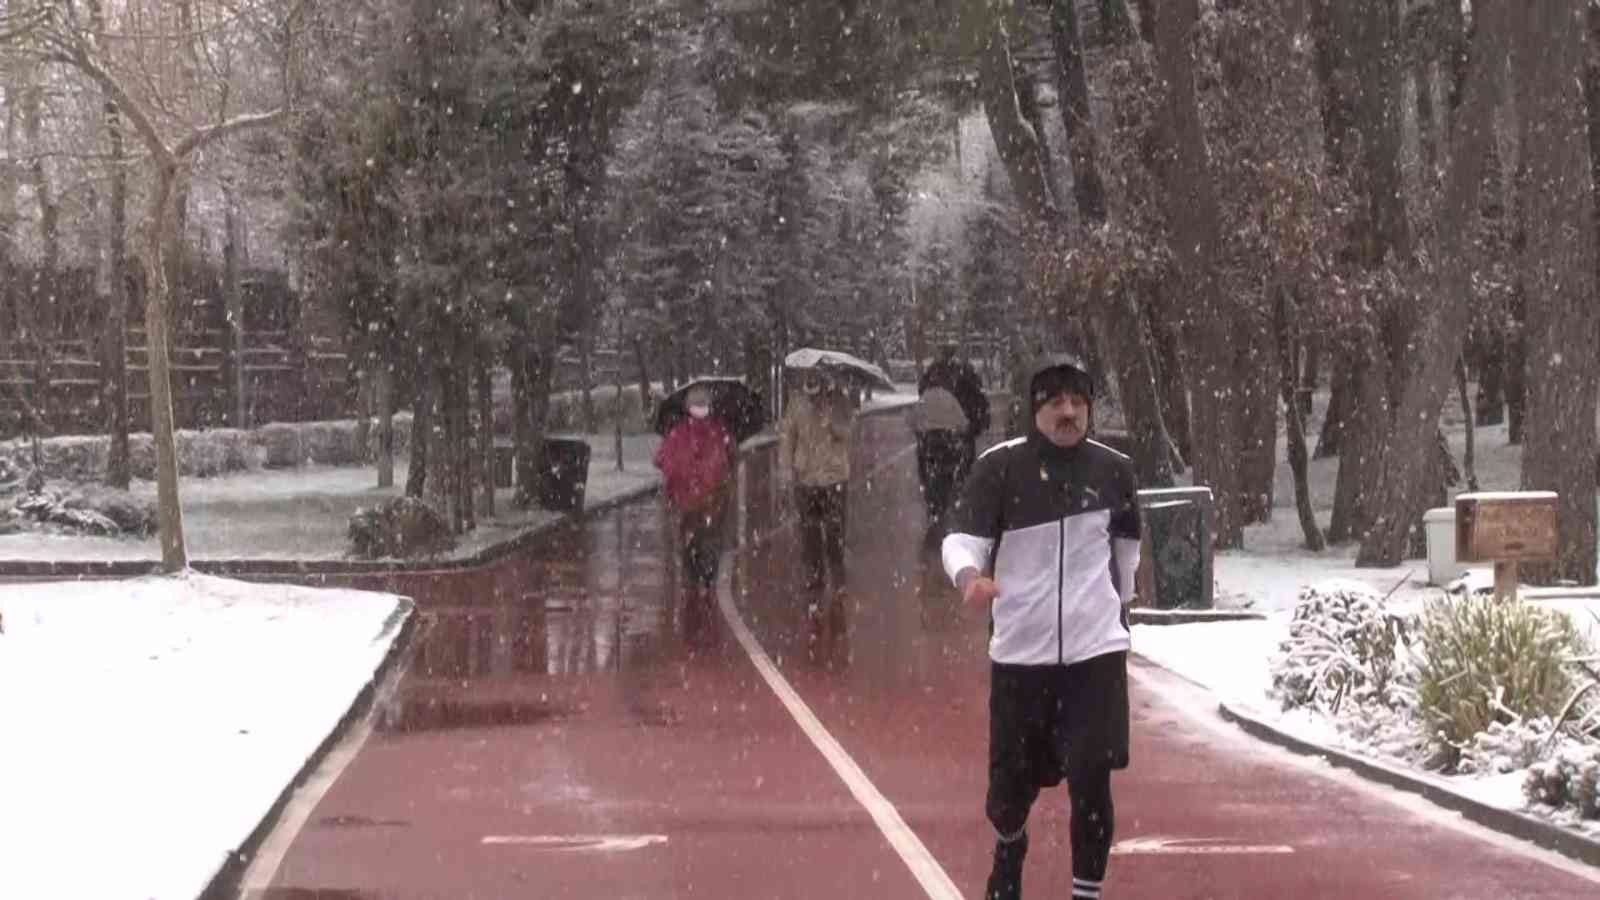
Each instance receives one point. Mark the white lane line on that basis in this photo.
(578, 842)
(933, 878)
(263, 868)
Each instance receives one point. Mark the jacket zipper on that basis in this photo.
(1061, 574)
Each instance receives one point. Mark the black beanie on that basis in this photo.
(1050, 382)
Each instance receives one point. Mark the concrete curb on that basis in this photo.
(224, 885)
(1509, 822)
(1143, 616)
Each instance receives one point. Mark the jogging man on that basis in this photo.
(1046, 539)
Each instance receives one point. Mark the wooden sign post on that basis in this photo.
(1507, 528)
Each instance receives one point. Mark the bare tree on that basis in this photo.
(176, 111)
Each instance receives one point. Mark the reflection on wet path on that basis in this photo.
(522, 640)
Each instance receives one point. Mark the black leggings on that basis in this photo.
(702, 548)
(822, 524)
(1093, 824)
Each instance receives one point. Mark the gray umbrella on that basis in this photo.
(841, 365)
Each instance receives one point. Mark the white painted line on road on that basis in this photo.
(1194, 846)
(912, 851)
(270, 854)
(579, 842)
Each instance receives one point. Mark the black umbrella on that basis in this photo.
(740, 408)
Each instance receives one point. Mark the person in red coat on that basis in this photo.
(696, 463)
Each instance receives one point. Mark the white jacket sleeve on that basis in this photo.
(1125, 556)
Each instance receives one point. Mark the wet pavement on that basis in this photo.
(555, 736)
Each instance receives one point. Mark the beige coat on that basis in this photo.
(815, 439)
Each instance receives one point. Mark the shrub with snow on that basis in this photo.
(1342, 645)
(1488, 661)
(1569, 779)
(401, 527)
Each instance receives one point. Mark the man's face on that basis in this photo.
(1064, 419)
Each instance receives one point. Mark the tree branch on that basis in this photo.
(201, 137)
(71, 51)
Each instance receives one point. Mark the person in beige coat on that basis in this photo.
(815, 437)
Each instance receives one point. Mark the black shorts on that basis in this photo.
(1047, 723)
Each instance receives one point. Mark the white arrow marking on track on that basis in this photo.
(1163, 845)
(585, 842)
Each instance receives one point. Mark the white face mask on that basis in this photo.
(699, 411)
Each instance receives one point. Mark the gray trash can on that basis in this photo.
(1178, 536)
(565, 475)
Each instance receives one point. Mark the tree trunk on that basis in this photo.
(1195, 220)
(521, 436)
(385, 389)
(1487, 357)
(466, 459)
(114, 350)
(366, 405)
(540, 384)
(1516, 374)
(169, 512)
(1015, 142)
(1072, 88)
(1400, 491)
(43, 305)
(1469, 458)
(1363, 381)
(1255, 372)
(1558, 264)
(645, 399)
(1171, 373)
(486, 467)
(233, 355)
(1342, 389)
(1116, 24)
(1147, 20)
(1311, 373)
(1427, 128)
(1288, 379)
(1141, 405)
(421, 426)
(586, 367)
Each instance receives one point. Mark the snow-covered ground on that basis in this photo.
(304, 513)
(1233, 659)
(151, 724)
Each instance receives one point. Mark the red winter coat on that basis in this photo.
(695, 459)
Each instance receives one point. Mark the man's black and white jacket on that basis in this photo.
(1059, 531)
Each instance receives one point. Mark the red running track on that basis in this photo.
(554, 738)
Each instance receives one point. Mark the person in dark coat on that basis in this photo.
(951, 413)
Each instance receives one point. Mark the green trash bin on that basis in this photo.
(565, 475)
(1178, 524)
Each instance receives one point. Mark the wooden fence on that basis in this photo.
(281, 382)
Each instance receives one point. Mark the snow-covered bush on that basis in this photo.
(1488, 661)
(401, 527)
(1342, 645)
(1506, 747)
(49, 508)
(1571, 778)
